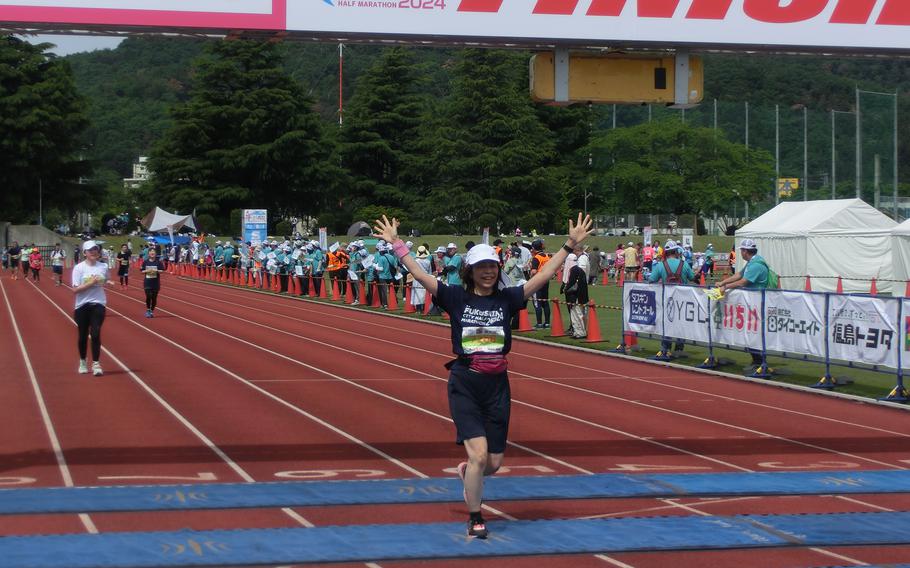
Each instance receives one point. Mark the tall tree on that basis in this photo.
(41, 120)
(379, 137)
(247, 136)
(669, 167)
(491, 159)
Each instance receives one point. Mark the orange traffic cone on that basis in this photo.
(322, 290)
(311, 287)
(375, 303)
(556, 328)
(701, 279)
(336, 295)
(294, 284)
(631, 340)
(363, 293)
(349, 292)
(393, 300)
(808, 283)
(243, 278)
(907, 290)
(873, 290)
(427, 304)
(408, 306)
(524, 324)
(593, 325)
(840, 286)
(604, 280)
(621, 279)
(640, 277)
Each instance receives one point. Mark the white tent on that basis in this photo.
(160, 221)
(900, 256)
(838, 237)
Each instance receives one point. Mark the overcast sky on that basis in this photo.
(67, 44)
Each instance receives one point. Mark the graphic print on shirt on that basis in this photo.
(482, 331)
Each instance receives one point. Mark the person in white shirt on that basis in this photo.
(88, 280)
(58, 256)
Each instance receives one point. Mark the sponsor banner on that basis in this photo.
(737, 319)
(685, 312)
(642, 307)
(795, 322)
(841, 24)
(255, 225)
(864, 329)
(905, 342)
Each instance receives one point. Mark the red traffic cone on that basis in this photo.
(363, 293)
(427, 304)
(604, 280)
(840, 286)
(631, 340)
(622, 278)
(393, 300)
(322, 291)
(296, 288)
(524, 324)
(701, 279)
(873, 290)
(907, 290)
(593, 325)
(640, 277)
(349, 292)
(408, 306)
(808, 283)
(556, 328)
(335, 294)
(243, 278)
(311, 287)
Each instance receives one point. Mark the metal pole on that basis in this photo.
(833, 161)
(805, 154)
(649, 114)
(614, 116)
(776, 152)
(340, 84)
(895, 157)
(859, 151)
(715, 117)
(747, 125)
(40, 203)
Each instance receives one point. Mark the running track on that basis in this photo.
(231, 385)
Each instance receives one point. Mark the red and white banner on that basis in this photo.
(855, 25)
(737, 319)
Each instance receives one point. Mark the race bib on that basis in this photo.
(483, 339)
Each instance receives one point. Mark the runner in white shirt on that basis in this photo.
(88, 279)
(58, 256)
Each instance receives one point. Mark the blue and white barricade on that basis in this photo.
(850, 328)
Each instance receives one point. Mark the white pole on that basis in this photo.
(859, 151)
(895, 157)
(805, 153)
(776, 152)
(833, 160)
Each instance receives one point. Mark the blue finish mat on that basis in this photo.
(408, 491)
(448, 540)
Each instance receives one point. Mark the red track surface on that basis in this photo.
(230, 385)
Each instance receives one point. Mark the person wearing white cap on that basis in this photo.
(480, 310)
(671, 270)
(451, 265)
(218, 257)
(88, 279)
(754, 276)
(708, 267)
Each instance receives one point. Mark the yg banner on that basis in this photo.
(737, 319)
(685, 311)
(795, 322)
(864, 329)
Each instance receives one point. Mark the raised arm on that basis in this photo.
(577, 232)
(388, 231)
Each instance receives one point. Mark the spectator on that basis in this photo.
(596, 266)
(709, 260)
(630, 261)
(576, 291)
(753, 277)
(542, 295)
(418, 292)
(452, 264)
(671, 270)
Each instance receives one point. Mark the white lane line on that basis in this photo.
(45, 415)
(571, 387)
(180, 418)
(304, 307)
(411, 370)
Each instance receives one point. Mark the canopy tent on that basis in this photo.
(838, 237)
(160, 221)
(900, 256)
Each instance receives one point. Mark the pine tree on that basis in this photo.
(247, 136)
(41, 120)
(379, 137)
(492, 160)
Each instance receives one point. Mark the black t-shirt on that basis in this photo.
(480, 324)
(152, 282)
(123, 259)
(15, 253)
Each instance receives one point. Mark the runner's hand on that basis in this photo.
(581, 230)
(386, 230)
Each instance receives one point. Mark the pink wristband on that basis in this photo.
(400, 249)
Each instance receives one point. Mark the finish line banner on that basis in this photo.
(854, 25)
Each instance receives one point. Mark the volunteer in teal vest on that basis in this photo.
(753, 277)
(671, 270)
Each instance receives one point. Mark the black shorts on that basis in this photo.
(57, 269)
(123, 270)
(480, 406)
(14, 263)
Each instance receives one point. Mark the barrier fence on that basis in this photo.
(854, 328)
